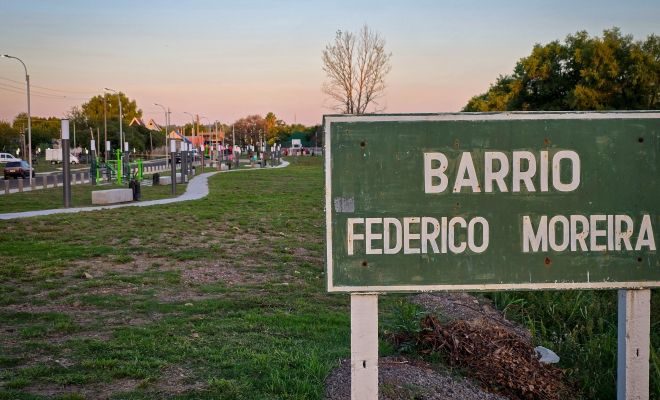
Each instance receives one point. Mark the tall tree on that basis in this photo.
(249, 128)
(8, 137)
(269, 124)
(92, 113)
(93, 109)
(356, 66)
(583, 73)
(44, 130)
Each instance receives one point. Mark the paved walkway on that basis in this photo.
(197, 188)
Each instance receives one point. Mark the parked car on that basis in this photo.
(6, 157)
(17, 169)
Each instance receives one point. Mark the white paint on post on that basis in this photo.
(634, 344)
(364, 346)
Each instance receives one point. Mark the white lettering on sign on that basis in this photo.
(439, 172)
(523, 169)
(604, 233)
(418, 235)
(497, 176)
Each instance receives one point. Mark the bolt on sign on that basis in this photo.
(492, 201)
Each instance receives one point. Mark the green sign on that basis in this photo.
(492, 201)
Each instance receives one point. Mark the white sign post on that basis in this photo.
(633, 347)
(364, 346)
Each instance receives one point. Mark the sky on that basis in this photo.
(228, 59)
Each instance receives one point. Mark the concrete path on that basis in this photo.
(198, 188)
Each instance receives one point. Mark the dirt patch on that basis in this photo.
(221, 272)
(495, 356)
(176, 380)
(402, 379)
(470, 334)
(466, 307)
(92, 391)
(139, 263)
(311, 257)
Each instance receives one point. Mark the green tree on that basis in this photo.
(269, 125)
(8, 137)
(44, 130)
(248, 129)
(93, 109)
(91, 114)
(612, 72)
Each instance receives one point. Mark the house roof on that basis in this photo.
(136, 121)
(151, 125)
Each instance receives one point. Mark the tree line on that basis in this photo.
(612, 72)
(91, 117)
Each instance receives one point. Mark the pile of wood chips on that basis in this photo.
(495, 356)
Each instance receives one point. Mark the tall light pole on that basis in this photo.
(167, 126)
(105, 128)
(208, 127)
(27, 81)
(121, 130)
(192, 134)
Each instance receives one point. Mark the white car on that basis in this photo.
(6, 157)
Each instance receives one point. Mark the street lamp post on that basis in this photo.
(27, 81)
(167, 126)
(192, 135)
(122, 145)
(105, 129)
(208, 127)
(121, 130)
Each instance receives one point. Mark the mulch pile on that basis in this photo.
(500, 359)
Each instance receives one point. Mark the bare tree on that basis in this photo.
(356, 66)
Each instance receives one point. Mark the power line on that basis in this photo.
(19, 90)
(11, 89)
(49, 89)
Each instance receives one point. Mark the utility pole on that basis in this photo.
(66, 172)
(105, 127)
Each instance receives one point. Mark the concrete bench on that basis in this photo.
(167, 179)
(112, 196)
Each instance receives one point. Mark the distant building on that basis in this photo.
(151, 125)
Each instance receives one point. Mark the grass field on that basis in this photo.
(219, 298)
(81, 196)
